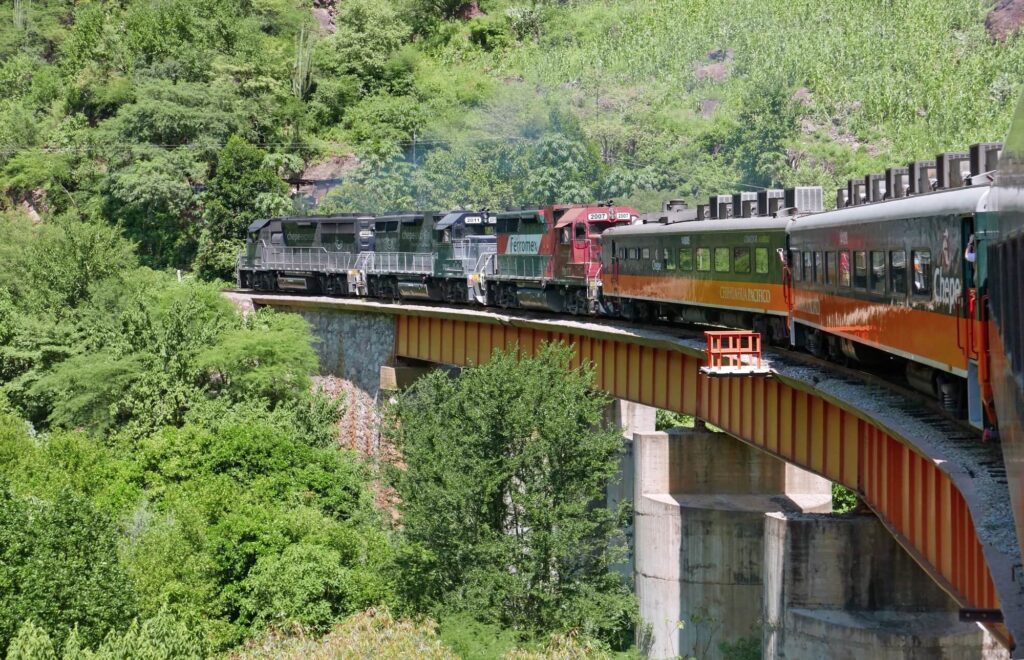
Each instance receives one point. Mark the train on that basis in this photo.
(1000, 268)
(889, 277)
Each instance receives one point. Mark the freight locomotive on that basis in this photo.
(889, 276)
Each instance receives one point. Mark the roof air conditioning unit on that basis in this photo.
(744, 204)
(858, 195)
(721, 207)
(921, 174)
(950, 167)
(985, 157)
(806, 199)
(897, 179)
(875, 186)
(769, 201)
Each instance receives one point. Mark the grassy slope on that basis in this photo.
(883, 82)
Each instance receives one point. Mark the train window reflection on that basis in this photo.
(819, 268)
(721, 260)
(898, 271)
(670, 263)
(830, 268)
(797, 265)
(878, 272)
(808, 266)
(685, 259)
(647, 253)
(704, 259)
(922, 271)
(844, 268)
(741, 260)
(860, 270)
(761, 260)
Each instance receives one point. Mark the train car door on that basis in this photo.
(970, 311)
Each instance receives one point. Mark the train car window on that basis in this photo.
(704, 259)
(670, 262)
(741, 260)
(581, 231)
(830, 268)
(898, 271)
(685, 259)
(878, 272)
(761, 261)
(922, 260)
(844, 268)
(819, 268)
(276, 238)
(797, 264)
(809, 266)
(721, 260)
(860, 270)
(634, 253)
(647, 253)
(622, 254)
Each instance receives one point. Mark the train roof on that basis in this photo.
(469, 217)
(759, 223)
(311, 219)
(941, 202)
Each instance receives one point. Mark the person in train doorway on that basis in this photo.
(970, 256)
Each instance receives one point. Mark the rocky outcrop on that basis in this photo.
(1005, 19)
(325, 11)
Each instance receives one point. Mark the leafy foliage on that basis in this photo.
(503, 467)
(58, 568)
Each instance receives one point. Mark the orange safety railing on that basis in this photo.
(728, 348)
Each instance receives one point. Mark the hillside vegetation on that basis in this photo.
(171, 483)
(125, 112)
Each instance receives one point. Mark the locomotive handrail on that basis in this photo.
(522, 265)
(421, 263)
(303, 258)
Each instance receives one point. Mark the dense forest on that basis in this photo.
(170, 478)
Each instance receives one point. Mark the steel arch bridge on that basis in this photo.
(934, 491)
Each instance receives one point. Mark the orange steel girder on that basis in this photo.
(915, 500)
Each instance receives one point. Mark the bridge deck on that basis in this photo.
(931, 481)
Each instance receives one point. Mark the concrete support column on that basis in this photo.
(631, 418)
(842, 587)
(700, 500)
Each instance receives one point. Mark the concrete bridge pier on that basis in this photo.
(841, 587)
(631, 418)
(700, 500)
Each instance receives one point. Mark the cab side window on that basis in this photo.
(685, 259)
(721, 260)
(704, 259)
(581, 231)
(898, 271)
(922, 260)
(860, 269)
(741, 260)
(844, 269)
(877, 272)
(761, 260)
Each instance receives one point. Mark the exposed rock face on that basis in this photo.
(717, 67)
(1005, 19)
(324, 12)
(470, 10)
(321, 177)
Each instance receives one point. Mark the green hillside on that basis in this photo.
(122, 112)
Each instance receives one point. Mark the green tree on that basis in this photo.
(242, 186)
(369, 34)
(504, 467)
(59, 568)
